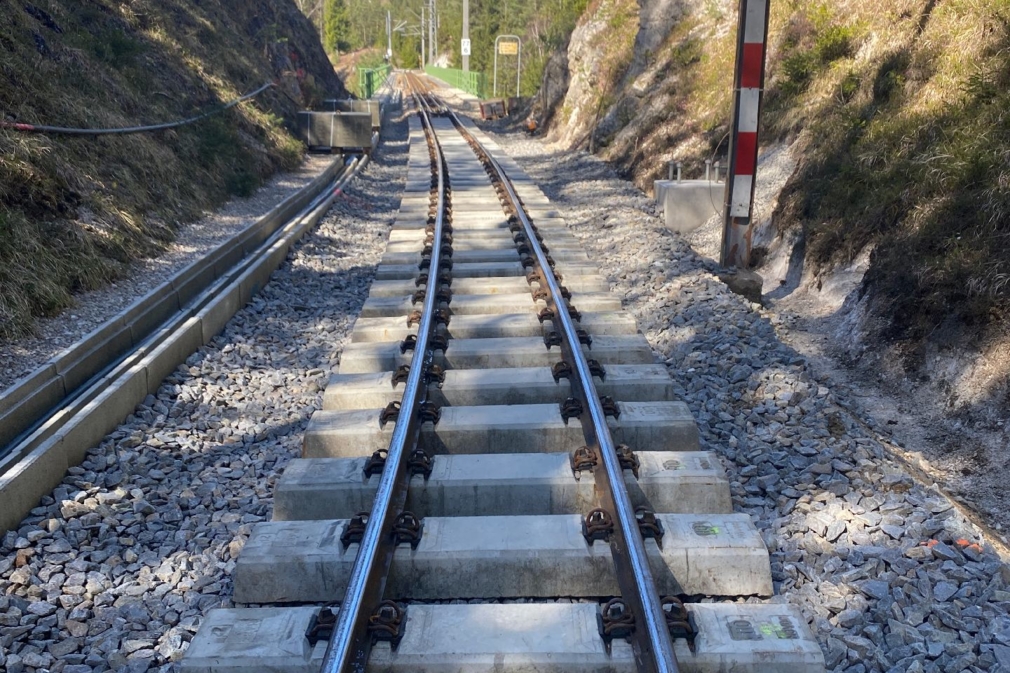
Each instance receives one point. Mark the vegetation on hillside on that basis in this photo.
(907, 114)
(903, 115)
(337, 35)
(75, 210)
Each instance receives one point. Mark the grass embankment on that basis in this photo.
(74, 211)
(902, 110)
(907, 117)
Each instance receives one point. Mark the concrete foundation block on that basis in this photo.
(492, 285)
(502, 240)
(688, 204)
(487, 304)
(86, 358)
(469, 270)
(494, 353)
(172, 352)
(87, 427)
(488, 326)
(475, 387)
(407, 271)
(25, 479)
(412, 239)
(526, 428)
(486, 255)
(458, 257)
(152, 309)
(216, 314)
(29, 399)
(385, 307)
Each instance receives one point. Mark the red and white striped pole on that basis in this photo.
(752, 36)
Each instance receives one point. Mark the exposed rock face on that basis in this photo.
(553, 89)
(296, 56)
(656, 19)
(584, 99)
(602, 85)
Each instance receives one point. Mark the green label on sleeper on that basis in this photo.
(742, 629)
(705, 528)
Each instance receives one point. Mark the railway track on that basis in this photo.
(499, 479)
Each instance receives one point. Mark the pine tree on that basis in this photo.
(336, 26)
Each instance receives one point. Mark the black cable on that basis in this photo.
(33, 128)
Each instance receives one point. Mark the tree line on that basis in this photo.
(543, 26)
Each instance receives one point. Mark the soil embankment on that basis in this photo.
(74, 211)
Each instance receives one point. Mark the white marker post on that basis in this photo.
(464, 46)
(743, 149)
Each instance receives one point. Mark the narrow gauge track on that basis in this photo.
(459, 489)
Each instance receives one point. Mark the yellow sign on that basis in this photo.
(508, 48)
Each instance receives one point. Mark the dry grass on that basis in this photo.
(907, 143)
(74, 211)
(903, 112)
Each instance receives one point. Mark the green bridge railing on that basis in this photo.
(370, 79)
(472, 82)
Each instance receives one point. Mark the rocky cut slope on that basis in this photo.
(75, 210)
(897, 113)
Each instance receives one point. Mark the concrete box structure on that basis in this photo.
(519, 638)
(492, 109)
(368, 105)
(688, 204)
(329, 131)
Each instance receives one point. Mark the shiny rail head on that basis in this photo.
(349, 644)
(654, 647)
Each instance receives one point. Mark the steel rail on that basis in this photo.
(55, 417)
(651, 642)
(350, 642)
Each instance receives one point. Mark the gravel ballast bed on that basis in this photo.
(115, 570)
(22, 356)
(891, 576)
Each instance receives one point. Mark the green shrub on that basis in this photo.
(116, 48)
(833, 43)
(242, 182)
(216, 139)
(798, 69)
(687, 52)
(890, 76)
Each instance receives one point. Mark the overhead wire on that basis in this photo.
(62, 130)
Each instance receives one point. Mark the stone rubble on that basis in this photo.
(892, 578)
(116, 568)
